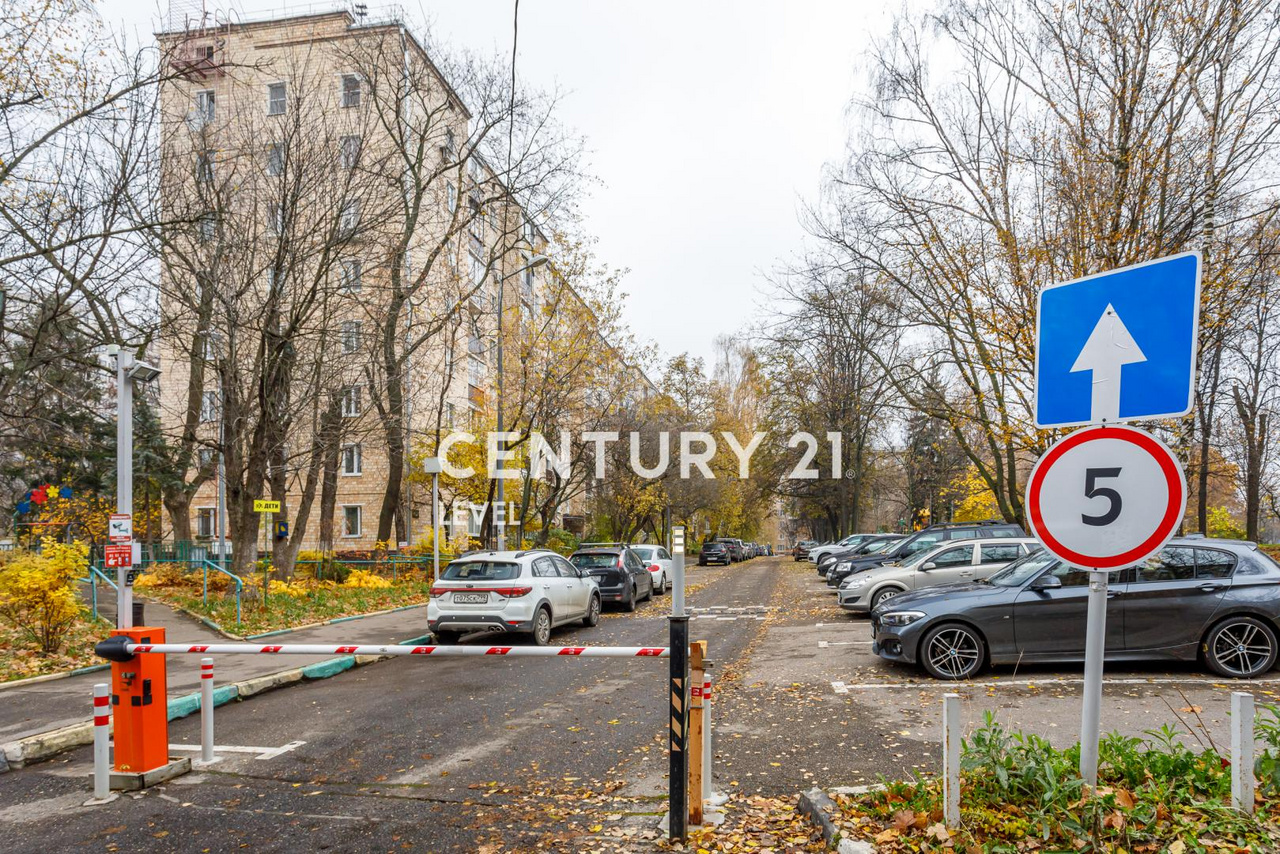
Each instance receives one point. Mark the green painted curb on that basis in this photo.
(189, 704)
(331, 667)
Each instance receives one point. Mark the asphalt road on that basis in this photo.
(569, 754)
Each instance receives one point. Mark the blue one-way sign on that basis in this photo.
(1120, 345)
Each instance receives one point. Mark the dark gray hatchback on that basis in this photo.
(1213, 600)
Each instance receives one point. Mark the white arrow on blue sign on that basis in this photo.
(1120, 345)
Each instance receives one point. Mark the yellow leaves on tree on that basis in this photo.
(37, 596)
(973, 498)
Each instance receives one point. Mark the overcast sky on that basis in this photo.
(708, 123)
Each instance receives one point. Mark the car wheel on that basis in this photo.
(542, 627)
(1240, 648)
(952, 651)
(446, 638)
(593, 612)
(884, 596)
(630, 603)
(649, 594)
(662, 583)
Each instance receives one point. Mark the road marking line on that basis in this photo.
(840, 687)
(825, 644)
(263, 752)
(951, 686)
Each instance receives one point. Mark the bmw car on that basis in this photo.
(1212, 601)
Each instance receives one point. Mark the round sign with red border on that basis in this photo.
(1106, 497)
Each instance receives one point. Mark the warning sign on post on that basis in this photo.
(119, 557)
(120, 528)
(261, 506)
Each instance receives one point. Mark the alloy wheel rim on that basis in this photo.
(1242, 648)
(544, 627)
(954, 652)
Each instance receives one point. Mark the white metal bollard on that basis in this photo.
(101, 741)
(206, 710)
(706, 738)
(951, 759)
(1242, 751)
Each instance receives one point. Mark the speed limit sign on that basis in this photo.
(1106, 497)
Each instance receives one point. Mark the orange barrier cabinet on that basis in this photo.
(140, 706)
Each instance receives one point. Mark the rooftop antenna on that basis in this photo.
(362, 10)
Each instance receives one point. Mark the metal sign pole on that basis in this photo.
(435, 527)
(678, 764)
(1095, 648)
(124, 479)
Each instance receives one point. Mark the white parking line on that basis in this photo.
(263, 752)
(1021, 683)
(825, 644)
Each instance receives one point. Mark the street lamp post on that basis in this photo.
(433, 467)
(128, 371)
(536, 261)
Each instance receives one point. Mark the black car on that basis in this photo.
(735, 548)
(620, 574)
(869, 546)
(714, 552)
(1213, 600)
(923, 539)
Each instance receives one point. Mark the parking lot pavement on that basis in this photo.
(441, 755)
(839, 715)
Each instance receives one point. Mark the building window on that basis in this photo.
(349, 219)
(350, 90)
(351, 272)
(204, 166)
(275, 217)
(351, 459)
(209, 406)
(451, 413)
(207, 227)
(204, 108)
(204, 458)
(477, 270)
(452, 194)
(526, 279)
(350, 336)
(206, 522)
(275, 159)
(529, 231)
(275, 99)
(475, 370)
(351, 520)
(352, 405)
(349, 151)
(449, 143)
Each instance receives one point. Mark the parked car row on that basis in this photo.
(726, 550)
(535, 590)
(975, 596)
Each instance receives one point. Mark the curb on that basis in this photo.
(50, 677)
(45, 745)
(818, 807)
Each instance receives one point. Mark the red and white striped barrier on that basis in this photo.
(131, 649)
(206, 711)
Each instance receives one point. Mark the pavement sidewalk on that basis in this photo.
(39, 708)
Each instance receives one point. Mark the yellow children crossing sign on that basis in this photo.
(260, 506)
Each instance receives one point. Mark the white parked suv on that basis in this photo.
(528, 591)
(659, 562)
(954, 562)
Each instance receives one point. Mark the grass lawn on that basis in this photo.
(285, 611)
(21, 660)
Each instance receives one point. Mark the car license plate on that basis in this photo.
(470, 598)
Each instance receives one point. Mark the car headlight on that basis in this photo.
(854, 581)
(900, 618)
(843, 566)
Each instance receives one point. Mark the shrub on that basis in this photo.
(366, 580)
(163, 575)
(36, 593)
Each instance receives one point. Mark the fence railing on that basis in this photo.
(207, 565)
(92, 580)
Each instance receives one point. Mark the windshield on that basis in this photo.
(877, 547)
(600, 560)
(481, 570)
(645, 552)
(1023, 570)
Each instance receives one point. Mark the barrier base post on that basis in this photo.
(140, 707)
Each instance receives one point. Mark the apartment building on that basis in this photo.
(335, 265)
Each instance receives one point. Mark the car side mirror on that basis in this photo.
(1047, 582)
(930, 565)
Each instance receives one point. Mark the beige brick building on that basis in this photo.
(334, 225)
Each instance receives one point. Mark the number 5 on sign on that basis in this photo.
(1106, 497)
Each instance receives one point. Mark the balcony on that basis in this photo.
(475, 396)
(196, 61)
